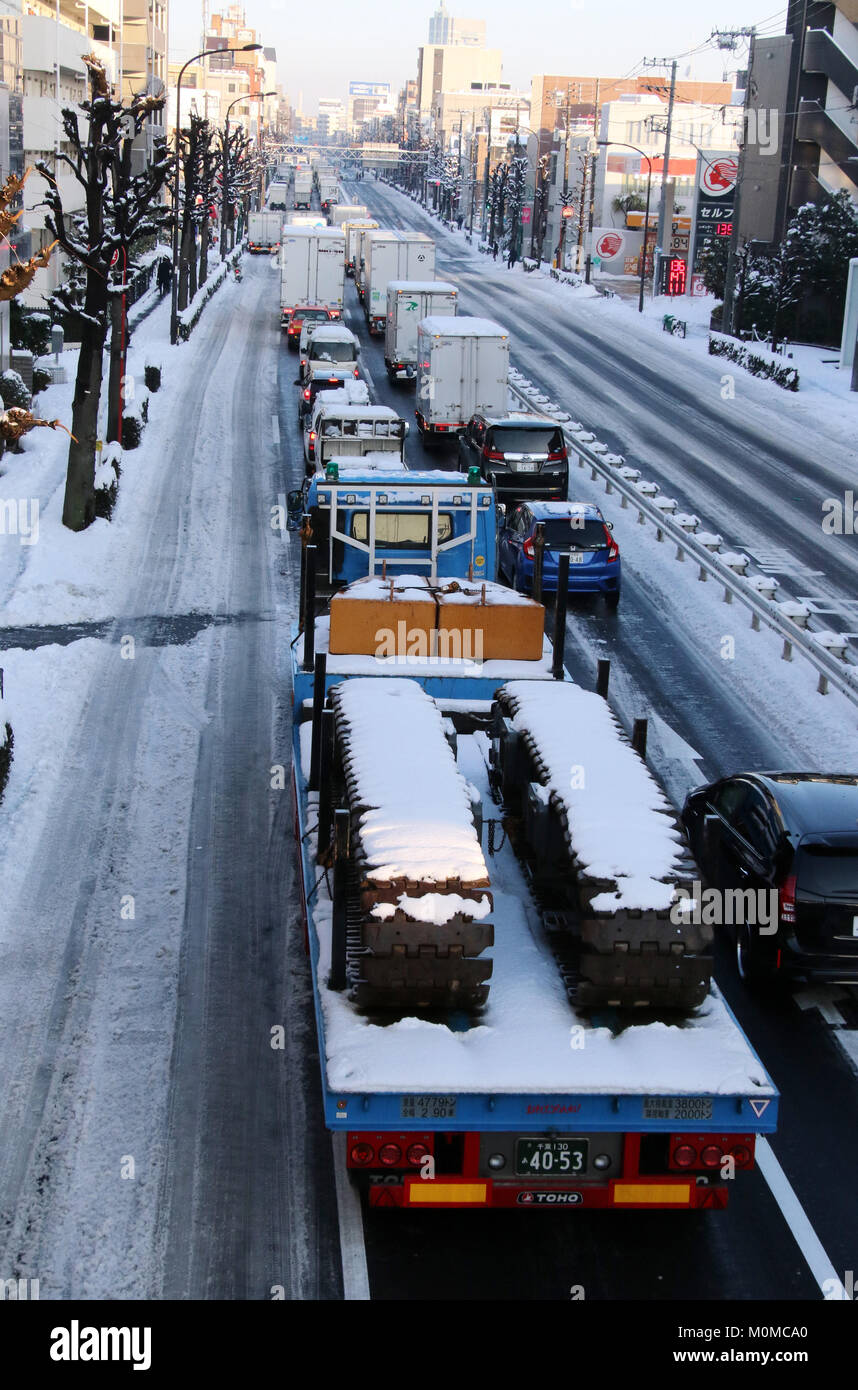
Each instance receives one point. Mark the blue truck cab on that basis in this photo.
(388, 521)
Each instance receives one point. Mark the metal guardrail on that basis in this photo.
(841, 673)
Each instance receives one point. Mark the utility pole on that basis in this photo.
(662, 205)
(729, 40)
(562, 242)
(592, 164)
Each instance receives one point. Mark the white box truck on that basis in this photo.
(462, 370)
(275, 196)
(329, 191)
(303, 194)
(393, 256)
(353, 232)
(312, 274)
(264, 230)
(408, 303)
(347, 212)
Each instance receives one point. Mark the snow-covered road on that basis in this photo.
(155, 1142)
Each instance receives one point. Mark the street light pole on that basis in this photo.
(645, 156)
(206, 53)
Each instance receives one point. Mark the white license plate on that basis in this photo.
(577, 557)
(525, 466)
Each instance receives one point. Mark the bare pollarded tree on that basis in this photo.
(120, 208)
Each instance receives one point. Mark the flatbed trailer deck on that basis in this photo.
(465, 1111)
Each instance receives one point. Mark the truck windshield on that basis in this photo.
(331, 352)
(509, 440)
(401, 530)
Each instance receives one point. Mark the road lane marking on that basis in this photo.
(275, 429)
(796, 1218)
(350, 1221)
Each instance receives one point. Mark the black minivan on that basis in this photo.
(522, 456)
(793, 836)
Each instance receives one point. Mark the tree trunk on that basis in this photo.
(186, 254)
(192, 263)
(118, 347)
(204, 251)
(79, 502)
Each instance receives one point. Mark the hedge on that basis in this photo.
(787, 377)
(189, 318)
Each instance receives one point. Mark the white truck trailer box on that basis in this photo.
(264, 230)
(363, 236)
(462, 370)
(393, 256)
(312, 269)
(353, 232)
(408, 303)
(303, 188)
(347, 212)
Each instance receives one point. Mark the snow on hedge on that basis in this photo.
(620, 822)
(416, 821)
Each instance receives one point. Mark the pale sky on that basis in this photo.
(321, 47)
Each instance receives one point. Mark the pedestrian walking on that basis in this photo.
(495, 249)
(510, 261)
(165, 275)
(460, 219)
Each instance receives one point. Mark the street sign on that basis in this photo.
(525, 214)
(568, 212)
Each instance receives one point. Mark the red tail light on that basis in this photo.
(613, 548)
(528, 548)
(389, 1155)
(786, 897)
(312, 437)
(559, 457)
(362, 1154)
(307, 394)
(416, 1154)
(357, 373)
(491, 454)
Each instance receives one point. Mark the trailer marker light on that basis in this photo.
(602, 1161)
(382, 499)
(425, 501)
(389, 1155)
(416, 1154)
(684, 1156)
(362, 1153)
(711, 1156)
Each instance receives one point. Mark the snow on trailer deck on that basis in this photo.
(529, 1054)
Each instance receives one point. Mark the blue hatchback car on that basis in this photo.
(576, 527)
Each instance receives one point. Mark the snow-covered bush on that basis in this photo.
(13, 391)
(41, 380)
(152, 372)
(107, 474)
(781, 375)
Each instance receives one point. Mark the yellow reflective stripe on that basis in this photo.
(428, 1192)
(675, 1193)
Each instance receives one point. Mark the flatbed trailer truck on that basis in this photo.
(457, 1061)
